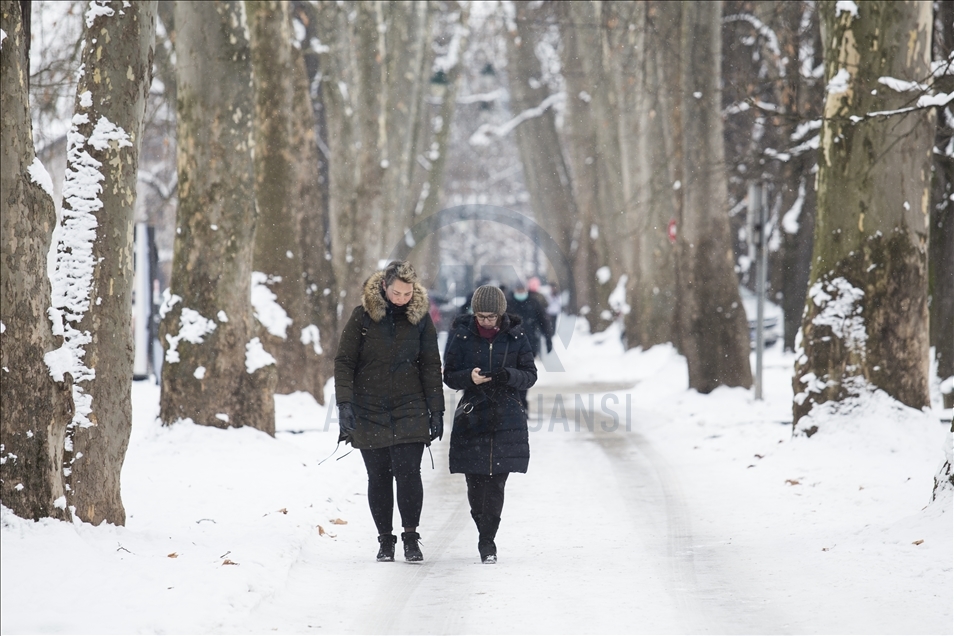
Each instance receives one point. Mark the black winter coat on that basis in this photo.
(393, 378)
(497, 442)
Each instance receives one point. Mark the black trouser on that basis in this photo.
(401, 463)
(486, 496)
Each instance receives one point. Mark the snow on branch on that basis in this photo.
(771, 39)
(481, 136)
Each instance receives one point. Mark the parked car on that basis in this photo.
(772, 322)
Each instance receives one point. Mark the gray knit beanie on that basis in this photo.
(489, 299)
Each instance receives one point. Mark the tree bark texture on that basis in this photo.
(279, 289)
(593, 149)
(215, 372)
(93, 277)
(665, 22)
(315, 240)
(866, 318)
(426, 254)
(652, 317)
(36, 408)
(545, 169)
(373, 69)
(941, 258)
(714, 329)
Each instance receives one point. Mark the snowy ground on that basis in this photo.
(695, 514)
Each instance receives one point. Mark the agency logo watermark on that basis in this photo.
(554, 412)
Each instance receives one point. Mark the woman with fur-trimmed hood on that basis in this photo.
(390, 398)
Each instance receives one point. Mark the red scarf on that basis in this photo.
(487, 332)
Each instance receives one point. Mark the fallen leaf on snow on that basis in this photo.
(229, 562)
(284, 511)
(918, 542)
(172, 555)
(338, 522)
(321, 531)
(792, 482)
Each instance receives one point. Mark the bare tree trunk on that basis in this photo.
(427, 252)
(315, 233)
(866, 318)
(93, 277)
(665, 19)
(651, 320)
(371, 122)
(593, 149)
(941, 257)
(545, 171)
(36, 408)
(714, 328)
(279, 289)
(216, 372)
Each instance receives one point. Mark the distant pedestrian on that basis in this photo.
(489, 357)
(532, 309)
(554, 303)
(390, 398)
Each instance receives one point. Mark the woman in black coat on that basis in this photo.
(489, 357)
(390, 398)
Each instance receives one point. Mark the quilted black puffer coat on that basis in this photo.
(495, 440)
(391, 375)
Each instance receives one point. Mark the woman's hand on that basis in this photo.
(477, 378)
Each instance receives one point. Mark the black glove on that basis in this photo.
(500, 377)
(549, 345)
(346, 422)
(436, 426)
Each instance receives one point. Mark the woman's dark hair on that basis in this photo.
(399, 270)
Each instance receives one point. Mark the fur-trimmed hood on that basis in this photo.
(374, 302)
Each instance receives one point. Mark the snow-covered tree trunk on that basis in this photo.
(941, 258)
(714, 329)
(94, 265)
(278, 286)
(216, 372)
(866, 318)
(545, 170)
(36, 408)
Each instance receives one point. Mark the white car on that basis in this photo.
(772, 318)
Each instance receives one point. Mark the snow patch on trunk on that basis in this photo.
(265, 303)
(256, 357)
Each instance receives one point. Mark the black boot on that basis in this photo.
(487, 526)
(412, 547)
(386, 551)
(488, 550)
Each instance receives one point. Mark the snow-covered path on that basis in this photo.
(571, 561)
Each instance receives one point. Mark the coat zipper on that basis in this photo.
(492, 433)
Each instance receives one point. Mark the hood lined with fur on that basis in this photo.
(374, 302)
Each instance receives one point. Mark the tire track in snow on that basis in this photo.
(651, 490)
